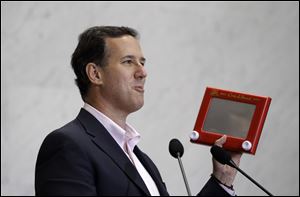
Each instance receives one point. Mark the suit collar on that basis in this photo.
(101, 137)
(121, 135)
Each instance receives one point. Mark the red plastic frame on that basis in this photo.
(233, 143)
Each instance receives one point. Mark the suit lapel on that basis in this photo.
(152, 170)
(106, 143)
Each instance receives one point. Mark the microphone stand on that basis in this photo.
(183, 174)
(246, 175)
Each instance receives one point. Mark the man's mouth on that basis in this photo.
(139, 89)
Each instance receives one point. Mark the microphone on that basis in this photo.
(176, 150)
(224, 158)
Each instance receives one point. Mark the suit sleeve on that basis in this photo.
(212, 188)
(62, 168)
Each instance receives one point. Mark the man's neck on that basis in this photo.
(115, 115)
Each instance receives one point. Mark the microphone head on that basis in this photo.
(175, 147)
(220, 155)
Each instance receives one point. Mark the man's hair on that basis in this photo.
(91, 48)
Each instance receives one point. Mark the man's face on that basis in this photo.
(124, 75)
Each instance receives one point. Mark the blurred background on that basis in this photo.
(252, 47)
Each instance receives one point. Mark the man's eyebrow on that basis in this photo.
(133, 57)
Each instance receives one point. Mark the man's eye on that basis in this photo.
(127, 61)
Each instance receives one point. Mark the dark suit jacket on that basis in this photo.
(82, 158)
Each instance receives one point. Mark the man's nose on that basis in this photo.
(141, 72)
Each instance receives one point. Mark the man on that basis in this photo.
(97, 153)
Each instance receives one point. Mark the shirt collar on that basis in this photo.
(121, 136)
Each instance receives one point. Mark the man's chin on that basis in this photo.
(137, 107)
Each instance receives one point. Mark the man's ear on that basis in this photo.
(93, 73)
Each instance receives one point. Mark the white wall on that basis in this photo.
(244, 46)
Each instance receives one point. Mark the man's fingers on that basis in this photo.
(221, 141)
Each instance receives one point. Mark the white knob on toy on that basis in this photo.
(247, 145)
(194, 135)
